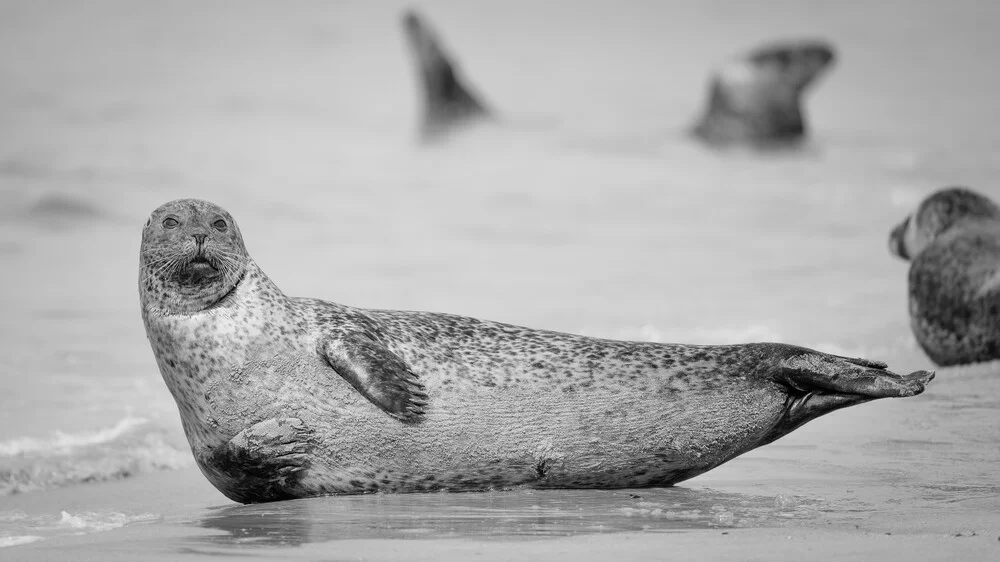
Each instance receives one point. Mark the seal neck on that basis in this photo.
(167, 303)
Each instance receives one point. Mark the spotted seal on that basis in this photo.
(283, 397)
(447, 101)
(953, 243)
(756, 100)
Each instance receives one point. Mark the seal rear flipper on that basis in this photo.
(820, 383)
(378, 374)
(813, 371)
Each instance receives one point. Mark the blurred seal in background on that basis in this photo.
(757, 100)
(447, 101)
(953, 242)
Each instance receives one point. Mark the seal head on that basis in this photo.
(953, 243)
(192, 256)
(757, 100)
(942, 210)
(448, 102)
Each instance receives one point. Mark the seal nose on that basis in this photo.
(199, 238)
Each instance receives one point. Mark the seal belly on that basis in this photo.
(508, 437)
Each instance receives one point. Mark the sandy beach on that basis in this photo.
(584, 209)
(692, 522)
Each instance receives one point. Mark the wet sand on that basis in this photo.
(198, 524)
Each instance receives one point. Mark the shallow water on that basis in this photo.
(585, 209)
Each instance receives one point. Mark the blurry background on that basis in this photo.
(585, 209)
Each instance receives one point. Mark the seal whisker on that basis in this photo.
(171, 261)
(166, 265)
(153, 263)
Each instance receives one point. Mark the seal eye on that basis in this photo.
(170, 222)
(220, 225)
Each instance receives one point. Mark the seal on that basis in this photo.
(757, 100)
(448, 103)
(283, 397)
(953, 243)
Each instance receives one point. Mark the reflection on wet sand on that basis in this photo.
(496, 515)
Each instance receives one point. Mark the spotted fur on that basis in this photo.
(269, 417)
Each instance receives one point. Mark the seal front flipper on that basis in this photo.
(261, 463)
(378, 374)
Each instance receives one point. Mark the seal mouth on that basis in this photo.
(198, 271)
(201, 263)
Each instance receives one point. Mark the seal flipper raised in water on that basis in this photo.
(448, 102)
(756, 100)
(377, 373)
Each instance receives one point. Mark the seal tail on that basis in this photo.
(447, 100)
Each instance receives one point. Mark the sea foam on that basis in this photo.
(64, 443)
(131, 446)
